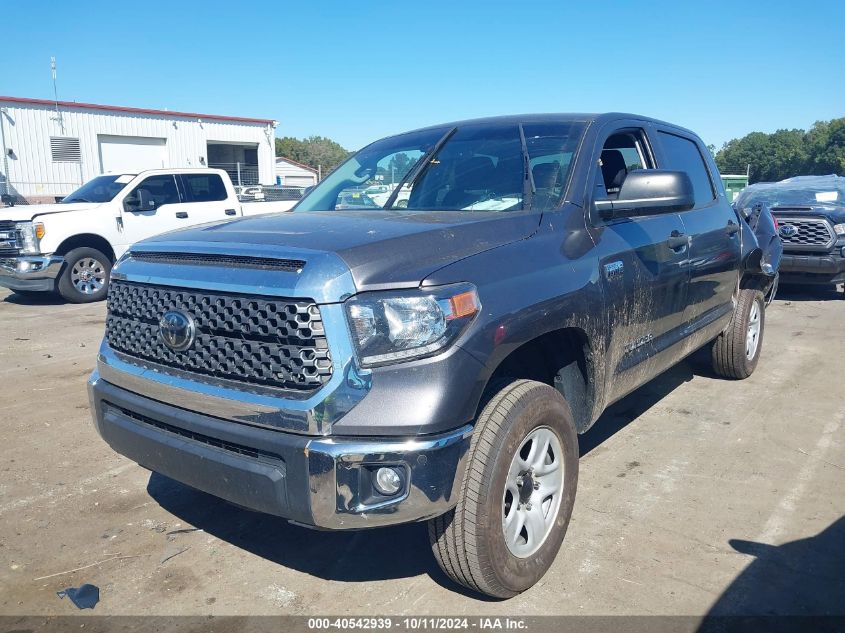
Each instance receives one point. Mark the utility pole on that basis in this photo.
(5, 184)
(56, 93)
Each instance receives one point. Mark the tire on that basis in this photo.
(469, 541)
(734, 354)
(85, 276)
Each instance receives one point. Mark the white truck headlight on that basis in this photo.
(389, 327)
(29, 237)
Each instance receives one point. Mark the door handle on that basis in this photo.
(732, 228)
(230, 212)
(181, 214)
(677, 240)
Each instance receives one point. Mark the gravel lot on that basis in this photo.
(696, 495)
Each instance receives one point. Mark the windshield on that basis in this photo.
(100, 189)
(474, 167)
(827, 190)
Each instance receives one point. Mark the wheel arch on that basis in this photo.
(90, 240)
(565, 359)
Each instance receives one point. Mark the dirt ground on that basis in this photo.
(697, 495)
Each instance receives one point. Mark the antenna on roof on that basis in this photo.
(56, 93)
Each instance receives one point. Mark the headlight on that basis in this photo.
(839, 229)
(29, 236)
(396, 326)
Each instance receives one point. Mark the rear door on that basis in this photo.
(643, 267)
(712, 226)
(206, 198)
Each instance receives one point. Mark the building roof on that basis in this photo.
(293, 162)
(111, 108)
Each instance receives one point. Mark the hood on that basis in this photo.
(381, 248)
(31, 211)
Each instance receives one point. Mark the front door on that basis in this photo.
(166, 214)
(644, 269)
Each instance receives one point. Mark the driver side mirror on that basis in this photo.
(649, 192)
(139, 200)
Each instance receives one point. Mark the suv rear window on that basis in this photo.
(204, 188)
(682, 154)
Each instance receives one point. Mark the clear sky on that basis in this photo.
(356, 71)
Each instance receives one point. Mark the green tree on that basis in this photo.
(786, 153)
(826, 140)
(314, 151)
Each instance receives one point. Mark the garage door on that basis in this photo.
(299, 181)
(131, 154)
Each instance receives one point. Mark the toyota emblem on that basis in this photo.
(788, 230)
(177, 330)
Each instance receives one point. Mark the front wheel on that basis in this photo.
(517, 496)
(85, 276)
(736, 351)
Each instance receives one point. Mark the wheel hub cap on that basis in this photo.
(752, 337)
(533, 492)
(88, 275)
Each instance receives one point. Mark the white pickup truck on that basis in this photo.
(70, 246)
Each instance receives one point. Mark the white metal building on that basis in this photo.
(290, 173)
(50, 148)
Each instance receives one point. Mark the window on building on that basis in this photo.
(65, 149)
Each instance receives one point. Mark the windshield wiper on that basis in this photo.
(419, 167)
(528, 187)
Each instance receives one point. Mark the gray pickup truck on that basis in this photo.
(432, 358)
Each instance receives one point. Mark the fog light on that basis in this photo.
(387, 481)
(843, 251)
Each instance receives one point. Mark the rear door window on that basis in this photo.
(203, 188)
(682, 154)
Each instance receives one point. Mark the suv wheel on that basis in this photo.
(85, 276)
(736, 351)
(518, 493)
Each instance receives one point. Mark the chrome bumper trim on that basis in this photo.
(434, 467)
(30, 272)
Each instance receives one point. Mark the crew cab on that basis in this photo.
(346, 367)
(810, 211)
(70, 246)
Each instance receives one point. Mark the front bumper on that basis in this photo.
(826, 268)
(323, 482)
(30, 272)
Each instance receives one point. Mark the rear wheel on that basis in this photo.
(85, 276)
(736, 351)
(518, 493)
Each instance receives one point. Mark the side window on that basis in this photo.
(623, 152)
(162, 189)
(682, 154)
(203, 187)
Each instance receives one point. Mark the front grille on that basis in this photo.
(231, 447)
(229, 261)
(8, 238)
(263, 341)
(809, 232)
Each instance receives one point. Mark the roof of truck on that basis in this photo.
(551, 117)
